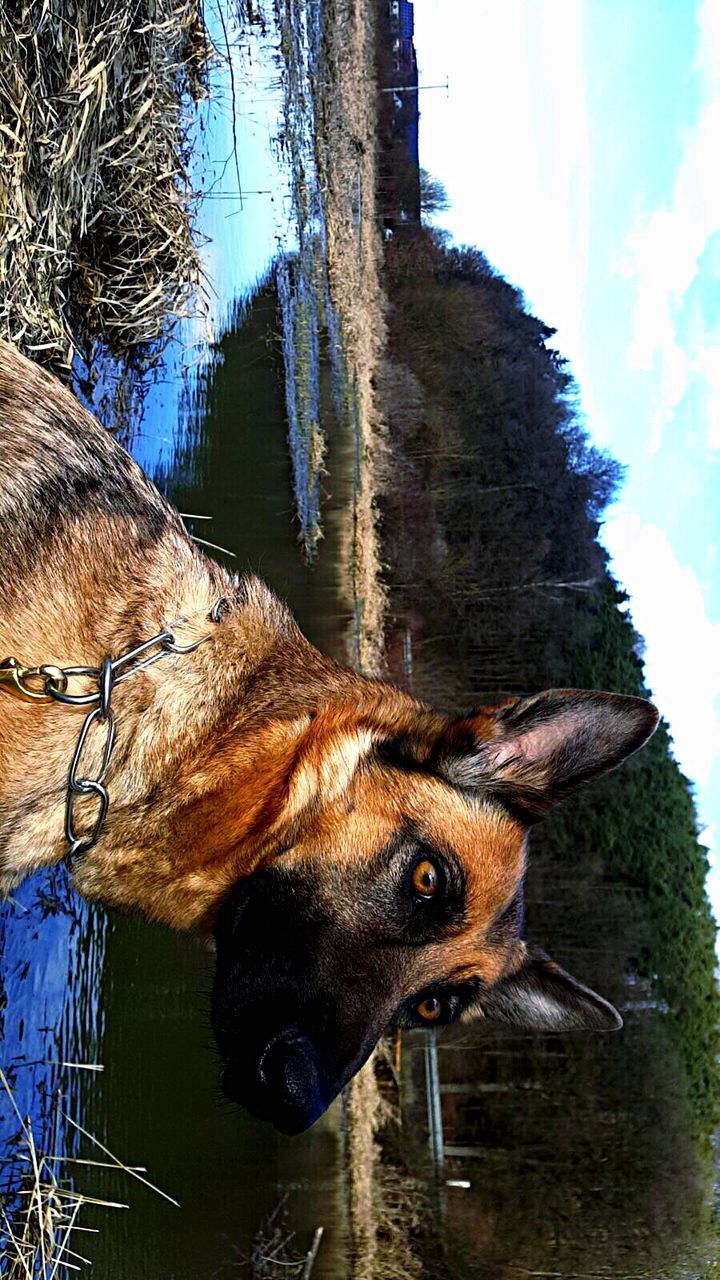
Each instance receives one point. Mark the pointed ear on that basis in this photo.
(536, 750)
(540, 996)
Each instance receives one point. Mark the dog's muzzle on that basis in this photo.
(285, 1085)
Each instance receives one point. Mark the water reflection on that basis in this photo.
(261, 213)
(159, 1102)
(52, 947)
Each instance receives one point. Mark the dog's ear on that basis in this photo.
(534, 751)
(540, 996)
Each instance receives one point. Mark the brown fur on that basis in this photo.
(218, 752)
(255, 748)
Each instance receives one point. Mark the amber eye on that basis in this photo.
(430, 1008)
(425, 878)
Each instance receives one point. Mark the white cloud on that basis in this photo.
(682, 661)
(511, 144)
(682, 657)
(707, 364)
(663, 252)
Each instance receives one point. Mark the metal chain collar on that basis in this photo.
(49, 684)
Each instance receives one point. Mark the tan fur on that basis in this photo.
(490, 846)
(253, 744)
(262, 792)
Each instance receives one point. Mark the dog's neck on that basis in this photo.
(94, 563)
(235, 705)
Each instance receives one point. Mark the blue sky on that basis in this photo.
(579, 146)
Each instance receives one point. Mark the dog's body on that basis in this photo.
(358, 856)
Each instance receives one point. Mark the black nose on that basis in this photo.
(290, 1079)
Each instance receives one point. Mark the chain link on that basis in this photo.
(79, 786)
(48, 683)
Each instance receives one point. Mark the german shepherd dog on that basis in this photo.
(358, 857)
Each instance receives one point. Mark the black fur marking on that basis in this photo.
(540, 996)
(290, 975)
(509, 924)
(58, 467)
(400, 753)
(392, 912)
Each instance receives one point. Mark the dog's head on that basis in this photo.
(397, 899)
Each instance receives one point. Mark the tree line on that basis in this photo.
(500, 586)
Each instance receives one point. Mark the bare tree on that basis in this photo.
(433, 195)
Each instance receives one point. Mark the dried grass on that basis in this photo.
(39, 1206)
(272, 1253)
(386, 1205)
(346, 157)
(96, 233)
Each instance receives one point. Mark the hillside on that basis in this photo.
(499, 585)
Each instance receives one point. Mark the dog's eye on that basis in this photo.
(430, 1009)
(425, 878)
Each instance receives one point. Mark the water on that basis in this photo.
(52, 947)
(220, 420)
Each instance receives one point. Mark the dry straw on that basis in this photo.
(386, 1205)
(39, 1205)
(346, 155)
(96, 232)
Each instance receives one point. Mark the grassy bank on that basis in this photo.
(389, 1209)
(382, 1206)
(386, 1206)
(95, 202)
(347, 165)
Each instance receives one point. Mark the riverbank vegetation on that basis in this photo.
(40, 1203)
(95, 200)
(392, 1211)
(347, 146)
(331, 299)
